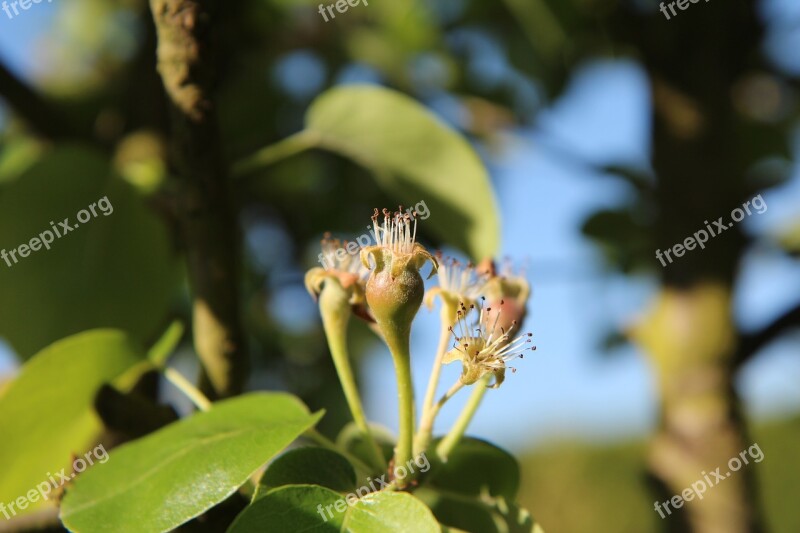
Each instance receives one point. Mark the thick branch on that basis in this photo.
(33, 108)
(185, 62)
(749, 345)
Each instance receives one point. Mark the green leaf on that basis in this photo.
(623, 239)
(475, 490)
(16, 155)
(47, 410)
(414, 156)
(478, 514)
(475, 468)
(309, 466)
(290, 509)
(390, 512)
(115, 270)
(352, 441)
(303, 508)
(184, 469)
(468, 514)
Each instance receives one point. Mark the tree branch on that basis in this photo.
(185, 63)
(749, 345)
(33, 108)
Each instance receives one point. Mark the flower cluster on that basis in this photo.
(481, 309)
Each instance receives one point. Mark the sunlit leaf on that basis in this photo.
(184, 469)
(47, 409)
(415, 157)
(390, 512)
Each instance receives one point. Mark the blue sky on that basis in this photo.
(567, 388)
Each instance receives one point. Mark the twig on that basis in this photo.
(33, 108)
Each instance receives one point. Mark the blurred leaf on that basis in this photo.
(413, 155)
(47, 410)
(541, 25)
(309, 466)
(351, 440)
(639, 179)
(623, 240)
(17, 154)
(476, 467)
(290, 509)
(398, 35)
(115, 270)
(177, 473)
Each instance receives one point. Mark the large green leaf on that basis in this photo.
(475, 490)
(476, 468)
(114, 270)
(413, 155)
(307, 508)
(47, 411)
(479, 514)
(309, 466)
(390, 512)
(182, 470)
(290, 509)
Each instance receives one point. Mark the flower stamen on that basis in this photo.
(482, 346)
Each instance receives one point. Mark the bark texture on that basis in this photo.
(186, 65)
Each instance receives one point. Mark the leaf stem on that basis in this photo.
(268, 155)
(460, 427)
(185, 386)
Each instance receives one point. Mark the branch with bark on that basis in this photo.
(185, 63)
(751, 344)
(34, 109)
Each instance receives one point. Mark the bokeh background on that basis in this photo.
(608, 131)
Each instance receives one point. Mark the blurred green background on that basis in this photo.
(609, 132)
